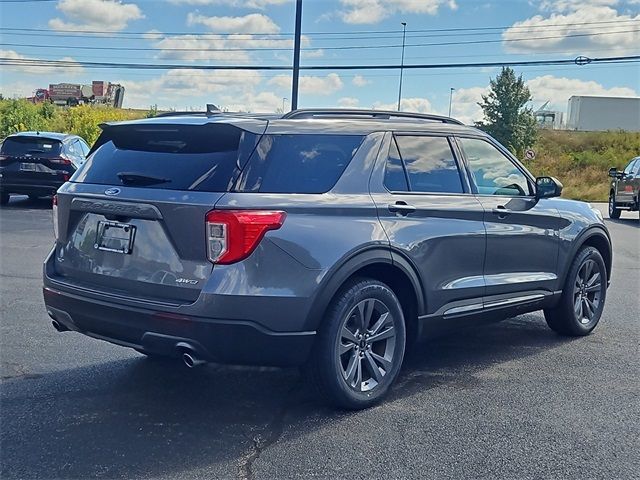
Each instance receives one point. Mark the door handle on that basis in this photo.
(501, 211)
(402, 208)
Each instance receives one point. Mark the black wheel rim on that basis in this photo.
(587, 292)
(367, 344)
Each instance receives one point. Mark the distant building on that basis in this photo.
(549, 119)
(590, 114)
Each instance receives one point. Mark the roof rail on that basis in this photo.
(357, 113)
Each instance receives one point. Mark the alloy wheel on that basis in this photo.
(367, 345)
(587, 291)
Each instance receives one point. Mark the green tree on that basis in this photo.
(506, 116)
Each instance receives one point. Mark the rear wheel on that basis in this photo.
(361, 345)
(4, 198)
(614, 212)
(583, 297)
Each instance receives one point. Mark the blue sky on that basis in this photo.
(258, 32)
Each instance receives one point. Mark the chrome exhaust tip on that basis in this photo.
(191, 361)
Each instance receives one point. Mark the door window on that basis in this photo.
(429, 164)
(492, 172)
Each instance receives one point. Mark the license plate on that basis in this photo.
(115, 237)
(28, 167)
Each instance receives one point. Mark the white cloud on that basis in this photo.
(255, 22)
(259, 4)
(72, 68)
(84, 15)
(572, 17)
(261, 102)
(556, 90)
(374, 11)
(360, 81)
(415, 104)
(310, 84)
(177, 88)
(348, 102)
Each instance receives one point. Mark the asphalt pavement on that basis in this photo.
(510, 400)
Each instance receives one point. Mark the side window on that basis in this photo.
(301, 163)
(72, 148)
(84, 147)
(629, 168)
(430, 164)
(395, 178)
(636, 168)
(492, 172)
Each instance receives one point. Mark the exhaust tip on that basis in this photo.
(57, 326)
(190, 360)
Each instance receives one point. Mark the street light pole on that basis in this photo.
(284, 99)
(296, 56)
(404, 36)
(451, 99)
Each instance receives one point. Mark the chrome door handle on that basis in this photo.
(501, 211)
(402, 208)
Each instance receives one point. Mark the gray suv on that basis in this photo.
(329, 238)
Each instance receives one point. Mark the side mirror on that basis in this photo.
(613, 172)
(548, 187)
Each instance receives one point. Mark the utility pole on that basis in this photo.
(284, 99)
(451, 99)
(404, 35)
(296, 56)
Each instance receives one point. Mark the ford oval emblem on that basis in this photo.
(112, 191)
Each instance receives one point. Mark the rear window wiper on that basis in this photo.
(132, 178)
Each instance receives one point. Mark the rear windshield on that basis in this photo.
(176, 157)
(19, 146)
(298, 163)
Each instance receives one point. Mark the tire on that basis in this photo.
(614, 213)
(583, 297)
(351, 367)
(4, 198)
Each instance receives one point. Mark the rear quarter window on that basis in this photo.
(298, 163)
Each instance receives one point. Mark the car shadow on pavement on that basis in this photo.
(147, 418)
(632, 222)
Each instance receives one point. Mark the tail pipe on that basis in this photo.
(191, 360)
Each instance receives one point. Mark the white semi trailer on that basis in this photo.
(591, 114)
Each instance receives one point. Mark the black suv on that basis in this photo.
(38, 163)
(328, 238)
(624, 192)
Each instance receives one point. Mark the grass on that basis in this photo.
(581, 160)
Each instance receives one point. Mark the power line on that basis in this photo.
(355, 33)
(345, 47)
(142, 66)
(259, 37)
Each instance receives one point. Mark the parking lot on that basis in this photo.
(510, 400)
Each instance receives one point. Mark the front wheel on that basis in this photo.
(360, 346)
(583, 297)
(614, 212)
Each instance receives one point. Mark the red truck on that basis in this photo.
(71, 94)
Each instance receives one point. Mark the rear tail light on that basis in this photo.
(232, 235)
(62, 160)
(54, 210)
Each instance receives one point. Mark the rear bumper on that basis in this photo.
(214, 340)
(40, 188)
